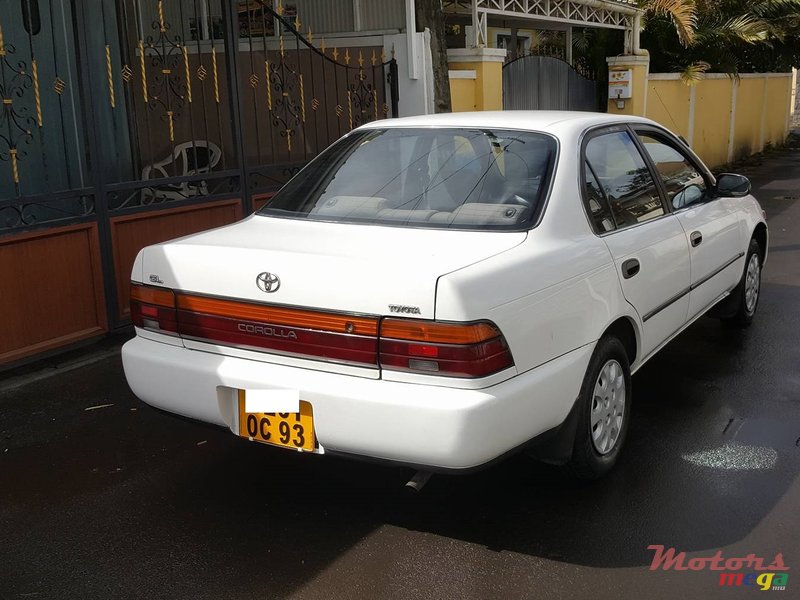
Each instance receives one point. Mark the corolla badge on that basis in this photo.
(268, 282)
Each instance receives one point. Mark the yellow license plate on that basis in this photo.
(289, 430)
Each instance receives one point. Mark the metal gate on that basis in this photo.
(547, 83)
(128, 122)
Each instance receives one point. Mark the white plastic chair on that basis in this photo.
(192, 158)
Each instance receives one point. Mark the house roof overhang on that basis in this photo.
(609, 14)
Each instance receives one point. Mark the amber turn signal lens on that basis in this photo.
(438, 333)
(152, 295)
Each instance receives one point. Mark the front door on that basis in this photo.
(710, 224)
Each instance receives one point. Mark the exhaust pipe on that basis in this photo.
(418, 481)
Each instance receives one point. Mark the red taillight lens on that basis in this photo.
(153, 308)
(448, 349)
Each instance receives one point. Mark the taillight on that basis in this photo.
(153, 308)
(448, 349)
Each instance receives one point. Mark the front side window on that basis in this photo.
(622, 175)
(683, 181)
(440, 178)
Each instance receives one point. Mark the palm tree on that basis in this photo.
(725, 35)
(682, 14)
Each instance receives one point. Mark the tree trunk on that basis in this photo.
(431, 15)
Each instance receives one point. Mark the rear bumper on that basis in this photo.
(417, 424)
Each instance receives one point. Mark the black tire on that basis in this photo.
(588, 462)
(744, 310)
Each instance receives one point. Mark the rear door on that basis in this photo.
(711, 224)
(646, 241)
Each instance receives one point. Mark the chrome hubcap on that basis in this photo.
(752, 283)
(608, 407)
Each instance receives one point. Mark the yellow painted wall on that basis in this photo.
(749, 112)
(462, 94)
(668, 103)
(488, 84)
(712, 120)
(761, 115)
(779, 95)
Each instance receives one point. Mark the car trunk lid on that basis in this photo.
(327, 287)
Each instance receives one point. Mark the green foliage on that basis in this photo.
(731, 36)
(590, 48)
(681, 13)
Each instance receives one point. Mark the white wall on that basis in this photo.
(416, 95)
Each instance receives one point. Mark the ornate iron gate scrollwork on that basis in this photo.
(300, 97)
(111, 110)
(15, 124)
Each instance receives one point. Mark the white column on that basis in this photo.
(476, 26)
(412, 43)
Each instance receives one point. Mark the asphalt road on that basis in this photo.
(122, 501)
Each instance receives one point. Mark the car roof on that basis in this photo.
(534, 120)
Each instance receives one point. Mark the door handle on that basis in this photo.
(697, 239)
(630, 268)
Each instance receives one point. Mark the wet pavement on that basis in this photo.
(103, 497)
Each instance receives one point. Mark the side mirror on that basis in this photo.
(733, 186)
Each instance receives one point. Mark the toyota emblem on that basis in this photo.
(268, 282)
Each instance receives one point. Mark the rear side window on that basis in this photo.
(597, 203)
(619, 171)
(440, 178)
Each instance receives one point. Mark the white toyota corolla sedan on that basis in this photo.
(441, 291)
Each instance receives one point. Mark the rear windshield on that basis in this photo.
(440, 178)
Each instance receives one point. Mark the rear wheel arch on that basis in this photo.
(625, 331)
(558, 448)
(760, 235)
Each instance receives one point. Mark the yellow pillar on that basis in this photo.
(487, 63)
(624, 69)
(462, 91)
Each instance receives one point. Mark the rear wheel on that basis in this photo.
(603, 411)
(747, 293)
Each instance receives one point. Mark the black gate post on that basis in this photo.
(394, 86)
(81, 20)
(230, 18)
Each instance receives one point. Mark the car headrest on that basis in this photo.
(351, 206)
